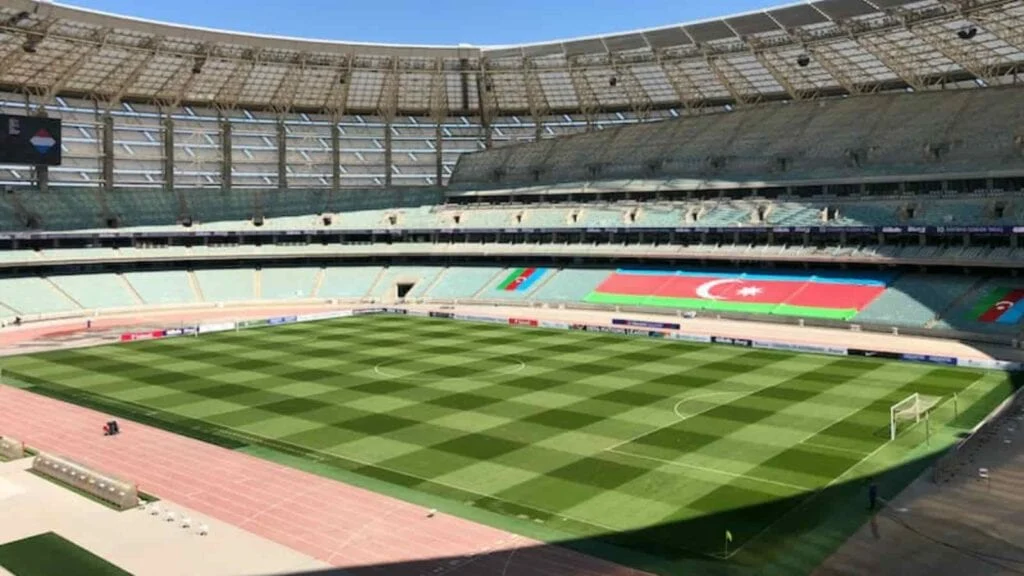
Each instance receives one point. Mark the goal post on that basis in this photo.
(909, 411)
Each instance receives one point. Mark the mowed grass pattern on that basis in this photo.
(590, 434)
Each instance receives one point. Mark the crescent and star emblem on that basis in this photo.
(704, 290)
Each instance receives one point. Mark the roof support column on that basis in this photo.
(488, 103)
(388, 144)
(167, 164)
(585, 96)
(282, 154)
(41, 175)
(903, 65)
(837, 66)
(107, 158)
(226, 163)
(439, 153)
(335, 155)
(639, 101)
(534, 98)
(439, 112)
(388, 107)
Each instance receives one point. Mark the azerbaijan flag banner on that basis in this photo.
(521, 279)
(1000, 306)
(838, 298)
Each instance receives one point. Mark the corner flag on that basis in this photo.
(728, 536)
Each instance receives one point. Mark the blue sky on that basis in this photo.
(448, 22)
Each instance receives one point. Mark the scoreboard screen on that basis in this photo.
(29, 140)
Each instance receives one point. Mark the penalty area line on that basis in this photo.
(736, 475)
(683, 417)
(807, 500)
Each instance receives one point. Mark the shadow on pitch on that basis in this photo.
(804, 531)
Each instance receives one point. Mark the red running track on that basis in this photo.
(345, 526)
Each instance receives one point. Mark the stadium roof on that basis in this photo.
(798, 51)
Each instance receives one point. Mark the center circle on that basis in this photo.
(409, 369)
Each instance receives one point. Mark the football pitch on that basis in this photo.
(641, 450)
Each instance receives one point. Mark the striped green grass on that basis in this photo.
(49, 554)
(644, 451)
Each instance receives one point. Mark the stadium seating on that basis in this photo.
(74, 209)
(18, 256)
(290, 203)
(964, 315)
(839, 138)
(726, 214)
(543, 218)
(34, 295)
(154, 210)
(916, 299)
(8, 216)
(525, 293)
(164, 287)
(207, 206)
(485, 217)
(352, 282)
(940, 301)
(461, 282)
(602, 217)
(143, 207)
(569, 285)
(287, 283)
(96, 291)
(420, 277)
(231, 285)
(661, 216)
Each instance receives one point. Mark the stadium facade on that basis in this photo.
(154, 105)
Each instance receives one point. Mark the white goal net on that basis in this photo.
(909, 411)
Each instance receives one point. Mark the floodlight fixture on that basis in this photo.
(967, 33)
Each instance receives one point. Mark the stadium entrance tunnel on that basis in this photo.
(403, 289)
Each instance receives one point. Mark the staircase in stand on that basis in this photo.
(131, 290)
(194, 283)
(318, 282)
(376, 281)
(61, 291)
(492, 283)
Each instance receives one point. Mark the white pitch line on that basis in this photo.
(683, 417)
(380, 370)
(802, 504)
(554, 515)
(714, 471)
(837, 448)
(831, 483)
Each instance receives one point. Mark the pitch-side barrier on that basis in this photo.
(623, 326)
